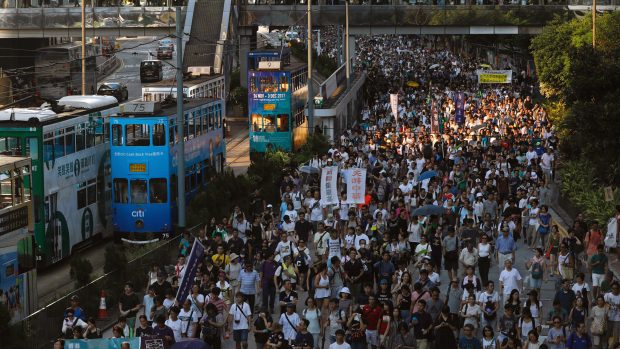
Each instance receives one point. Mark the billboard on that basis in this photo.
(494, 76)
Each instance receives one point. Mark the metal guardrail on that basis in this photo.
(43, 326)
(110, 64)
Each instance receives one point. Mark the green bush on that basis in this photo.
(584, 191)
(315, 144)
(80, 270)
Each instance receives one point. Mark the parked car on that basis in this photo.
(164, 52)
(116, 89)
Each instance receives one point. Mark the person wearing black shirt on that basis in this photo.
(423, 323)
(161, 285)
(144, 329)
(303, 339)
(162, 330)
(287, 296)
(262, 325)
(235, 244)
(354, 268)
(128, 305)
(303, 227)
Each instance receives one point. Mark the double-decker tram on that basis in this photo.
(18, 289)
(144, 157)
(68, 144)
(277, 96)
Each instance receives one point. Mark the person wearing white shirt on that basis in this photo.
(240, 315)
(489, 303)
(340, 343)
(361, 239)
(289, 321)
(509, 279)
(189, 319)
(546, 163)
(175, 324)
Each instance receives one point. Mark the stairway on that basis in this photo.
(201, 47)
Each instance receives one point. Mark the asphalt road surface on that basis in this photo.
(131, 55)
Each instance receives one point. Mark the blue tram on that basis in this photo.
(277, 97)
(144, 151)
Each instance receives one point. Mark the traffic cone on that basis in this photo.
(103, 309)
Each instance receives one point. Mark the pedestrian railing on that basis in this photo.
(44, 326)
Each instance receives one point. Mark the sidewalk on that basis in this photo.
(565, 221)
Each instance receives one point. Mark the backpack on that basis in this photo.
(537, 271)
(300, 261)
(489, 306)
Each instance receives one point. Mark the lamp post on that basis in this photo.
(310, 92)
(83, 47)
(346, 42)
(593, 23)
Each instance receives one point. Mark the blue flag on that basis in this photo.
(194, 259)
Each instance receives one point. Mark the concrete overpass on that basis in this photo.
(46, 22)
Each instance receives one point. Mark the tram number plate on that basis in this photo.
(269, 107)
(137, 168)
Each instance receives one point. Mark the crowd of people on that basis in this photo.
(413, 266)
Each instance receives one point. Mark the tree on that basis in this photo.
(80, 270)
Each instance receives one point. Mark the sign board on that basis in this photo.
(195, 258)
(356, 185)
(494, 76)
(137, 168)
(394, 105)
(269, 65)
(139, 107)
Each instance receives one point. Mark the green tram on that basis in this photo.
(70, 185)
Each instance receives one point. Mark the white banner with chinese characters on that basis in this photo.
(329, 185)
(394, 105)
(356, 185)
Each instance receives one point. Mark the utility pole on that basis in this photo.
(593, 23)
(180, 124)
(339, 46)
(83, 47)
(346, 42)
(310, 92)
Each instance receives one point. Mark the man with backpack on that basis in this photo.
(489, 303)
(303, 259)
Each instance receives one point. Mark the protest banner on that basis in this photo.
(329, 185)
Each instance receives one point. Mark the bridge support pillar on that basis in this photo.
(247, 42)
(351, 49)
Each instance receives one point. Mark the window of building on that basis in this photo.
(159, 134)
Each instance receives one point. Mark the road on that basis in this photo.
(133, 51)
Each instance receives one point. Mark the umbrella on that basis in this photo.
(309, 169)
(428, 210)
(427, 175)
(190, 344)
(413, 84)
(434, 66)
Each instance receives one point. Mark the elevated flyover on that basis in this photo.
(399, 18)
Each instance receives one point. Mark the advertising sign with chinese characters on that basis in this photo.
(329, 190)
(356, 185)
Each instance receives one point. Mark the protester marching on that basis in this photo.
(431, 228)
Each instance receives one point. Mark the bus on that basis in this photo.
(144, 152)
(151, 70)
(202, 86)
(18, 291)
(69, 148)
(58, 70)
(276, 101)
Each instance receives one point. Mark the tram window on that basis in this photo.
(33, 146)
(284, 86)
(91, 191)
(81, 196)
(283, 123)
(159, 134)
(158, 190)
(257, 122)
(211, 120)
(173, 188)
(90, 136)
(80, 137)
(138, 191)
(254, 84)
(117, 134)
(120, 191)
(268, 84)
(48, 150)
(6, 190)
(198, 124)
(270, 123)
(70, 140)
(10, 146)
(59, 144)
(137, 135)
(172, 133)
